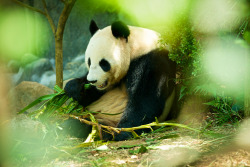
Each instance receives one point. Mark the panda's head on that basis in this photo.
(108, 54)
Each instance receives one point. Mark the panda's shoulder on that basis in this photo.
(155, 59)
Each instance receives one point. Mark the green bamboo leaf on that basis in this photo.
(87, 86)
(156, 120)
(129, 146)
(70, 107)
(36, 113)
(58, 89)
(135, 135)
(92, 118)
(37, 101)
(142, 149)
(53, 105)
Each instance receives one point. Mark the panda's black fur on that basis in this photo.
(150, 80)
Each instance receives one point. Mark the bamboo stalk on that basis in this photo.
(146, 126)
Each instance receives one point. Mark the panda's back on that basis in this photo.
(142, 41)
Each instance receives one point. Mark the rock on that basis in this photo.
(16, 78)
(24, 126)
(72, 65)
(193, 105)
(82, 70)
(28, 58)
(27, 92)
(102, 148)
(31, 137)
(32, 71)
(75, 73)
(48, 79)
(14, 66)
(79, 58)
(67, 74)
(39, 67)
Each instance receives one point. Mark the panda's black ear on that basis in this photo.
(93, 27)
(120, 30)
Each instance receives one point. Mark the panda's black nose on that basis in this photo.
(92, 82)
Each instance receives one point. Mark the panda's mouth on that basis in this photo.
(103, 85)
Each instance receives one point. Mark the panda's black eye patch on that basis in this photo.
(105, 65)
(89, 62)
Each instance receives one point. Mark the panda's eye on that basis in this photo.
(89, 62)
(105, 65)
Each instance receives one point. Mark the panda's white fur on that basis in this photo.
(118, 52)
(113, 102)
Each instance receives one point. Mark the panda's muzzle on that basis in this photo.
(103, 85)
(92, 82)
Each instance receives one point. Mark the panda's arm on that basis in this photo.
(148, 84)
(75, 88)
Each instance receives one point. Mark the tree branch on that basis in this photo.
(110, 128)
(59, 40)
(52, 25)
(119, 130)
(64, 17)
(29, 7)
(63, 1)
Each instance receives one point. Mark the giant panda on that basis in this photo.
(130, 75)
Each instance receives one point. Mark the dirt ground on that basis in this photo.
(163, 150)
(167, 147)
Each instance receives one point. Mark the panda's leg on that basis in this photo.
(149, 83)
(74, 127)
(85, 96)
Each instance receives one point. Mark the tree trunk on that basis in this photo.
(59, 61)
(247, 89)
(59, 41)
(57, 31)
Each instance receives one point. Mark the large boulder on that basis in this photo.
(26, 92)
(32, 71)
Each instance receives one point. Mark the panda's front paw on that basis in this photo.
(123, 136)
(74, 89)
